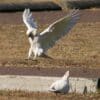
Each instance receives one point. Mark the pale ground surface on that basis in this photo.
(42, 84)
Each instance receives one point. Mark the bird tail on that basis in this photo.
(52, 89)
(40, 51)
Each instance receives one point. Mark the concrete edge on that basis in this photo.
(42, 84)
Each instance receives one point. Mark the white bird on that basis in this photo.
(62, 85)
(41, 42)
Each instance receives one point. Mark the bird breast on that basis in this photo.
(36, 39)
(36, 43)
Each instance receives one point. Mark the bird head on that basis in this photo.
(66, 75)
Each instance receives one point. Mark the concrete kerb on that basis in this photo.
(42, 83)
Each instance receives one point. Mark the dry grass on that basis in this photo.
(19, 95)
(81, 47)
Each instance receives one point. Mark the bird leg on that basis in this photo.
(35, 56)
(30, 52)
(31, 48)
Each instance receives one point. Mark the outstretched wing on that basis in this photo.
(58, 29)
(28, 20)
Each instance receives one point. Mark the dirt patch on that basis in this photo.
(58, 72)
(42, 18)
(89, 16)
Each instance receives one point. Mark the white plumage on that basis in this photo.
(62, 85)
(41, 42)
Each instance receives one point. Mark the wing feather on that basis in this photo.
(58, 29)
(28, 20)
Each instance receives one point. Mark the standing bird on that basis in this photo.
(62, 85)
(41, 42)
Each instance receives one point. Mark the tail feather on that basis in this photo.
(52, 89)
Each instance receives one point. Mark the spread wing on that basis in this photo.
(29, 20)
(58, 29)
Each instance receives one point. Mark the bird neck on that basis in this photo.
(32, 36)
(65, 78)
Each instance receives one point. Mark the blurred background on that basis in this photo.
(38, 5)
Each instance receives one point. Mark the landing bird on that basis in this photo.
(41, 42)
(62, 85)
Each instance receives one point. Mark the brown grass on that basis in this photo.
(79, 48)
(19, 95)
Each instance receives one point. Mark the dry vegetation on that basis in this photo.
(81, 47)
(19, 95)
